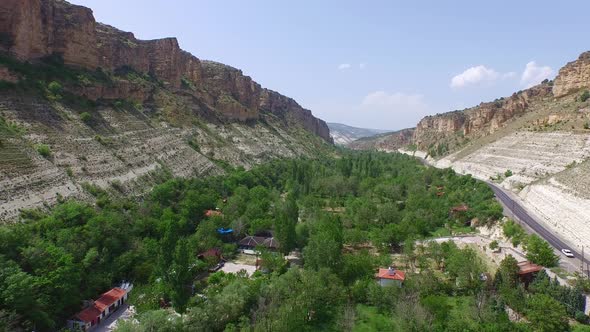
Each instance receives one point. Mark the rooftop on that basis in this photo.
(211, 213)
(528, 267)
(106, 300)
(391, 274)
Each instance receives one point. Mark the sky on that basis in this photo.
(372, 64)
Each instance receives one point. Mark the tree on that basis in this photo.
(494, 245)
(325, 245)
(540, 252)
(181, 277)
(546, 314)
(286, 218)
(507, 274)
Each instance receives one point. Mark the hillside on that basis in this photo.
(344, 134)
(535, 143)
(384, 142)
(84, 104)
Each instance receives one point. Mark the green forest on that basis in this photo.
(347, 215)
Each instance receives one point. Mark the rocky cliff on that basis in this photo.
(573, 77)
(86, 107)
(446, 132)
(388, 142)
(31, 30)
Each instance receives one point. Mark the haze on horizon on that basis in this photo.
(376, 64)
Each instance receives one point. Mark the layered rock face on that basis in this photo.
(573, 76)
(34, 29)
(478, 121)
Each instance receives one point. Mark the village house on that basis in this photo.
(390, 276)
(527, 272)
(213, 213)
(211, 255)
(249, 243)
(100, 309)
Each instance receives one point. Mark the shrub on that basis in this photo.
(508, 173)
(494, 245)
(117, 185)
(54, 91)
(194, 145)
(100, 140)
(43, 150)
(586, 125)
(86, 117)
(581, 317)
(584, 96)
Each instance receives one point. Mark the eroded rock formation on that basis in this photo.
(33, 29)
(573, 76)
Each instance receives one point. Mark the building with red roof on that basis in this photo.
(212, 213)
(390, 276)
(527, 272)
(100, 309)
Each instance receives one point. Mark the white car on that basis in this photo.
(567, 252)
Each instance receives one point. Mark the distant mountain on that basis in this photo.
(343, 134)
(391, 141)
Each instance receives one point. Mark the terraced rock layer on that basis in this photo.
(123, 149)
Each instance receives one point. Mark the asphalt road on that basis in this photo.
(519, 212)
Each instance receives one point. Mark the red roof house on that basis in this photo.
(460, 208)
(527, 271)
(211, 213)
(98, 310)
(390, 276)
(213, 253)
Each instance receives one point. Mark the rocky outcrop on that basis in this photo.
(386, 142)
(478, 121)
(289, 110)
(33, 29)
(573, 76)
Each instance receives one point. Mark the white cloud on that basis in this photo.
(474, 75)
(343, 66)
(533, 74)
(362, 65)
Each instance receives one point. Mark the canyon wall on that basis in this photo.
(454, 128)
(573, 77)
(31, 30)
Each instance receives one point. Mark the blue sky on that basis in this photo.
(377, 64)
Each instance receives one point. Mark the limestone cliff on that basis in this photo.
(123, 114)
(32, 30)
(445, 132)
(573, 77)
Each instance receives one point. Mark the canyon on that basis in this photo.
(535, 143)
(121, 114)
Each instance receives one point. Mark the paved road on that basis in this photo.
(523, 216)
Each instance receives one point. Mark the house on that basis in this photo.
(390, 276)
(460, 208)
(249, 243)
(213, 254)
(527, 272)
(213, 213)
(100, 309)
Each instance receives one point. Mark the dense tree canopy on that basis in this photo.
(348, 215)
